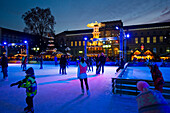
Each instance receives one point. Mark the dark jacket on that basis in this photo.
(4, 62)
(102, 59)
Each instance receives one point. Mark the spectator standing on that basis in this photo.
(157, 77)
(4, 65)
(82, 75)
(102, 61)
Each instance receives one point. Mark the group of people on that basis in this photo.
(152, 101)
(156, 104)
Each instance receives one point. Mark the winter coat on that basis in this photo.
(97, 61)
(4, 62)
(102, 59)
(29, 83)
(157, 76)
(152, 102)
(81, 73)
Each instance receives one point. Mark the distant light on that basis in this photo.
(127, 35)
(85, 38)
(80, 51)
(117, 27)
(13, 44)
(116, 41)
(25, 41)
(5, 43)
(103, 42)
(165, 37)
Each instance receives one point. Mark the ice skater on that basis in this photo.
(4, 65)
(157, 77)
(82, 75)
(30, 84)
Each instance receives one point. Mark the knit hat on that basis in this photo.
(30, 71)
(141, 85)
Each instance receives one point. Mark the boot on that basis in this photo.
(82, 91)
(88, 92)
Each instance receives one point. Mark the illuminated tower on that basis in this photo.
(95, 27)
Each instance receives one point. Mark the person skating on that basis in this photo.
(41, 62)
(121, 66)
(82, 75)
(25, 63)
(157, 77)
(4, 65)
(102, 61)
(30, 84)
(98, 64)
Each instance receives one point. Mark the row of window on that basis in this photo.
(77, 43)
(148, 40)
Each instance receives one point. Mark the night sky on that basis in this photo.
(76, 14)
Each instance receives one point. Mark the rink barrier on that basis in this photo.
(128, 87)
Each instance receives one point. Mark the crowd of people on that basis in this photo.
(156, 104)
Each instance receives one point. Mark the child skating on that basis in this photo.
(30, 84)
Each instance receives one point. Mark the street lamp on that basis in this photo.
(85, 47)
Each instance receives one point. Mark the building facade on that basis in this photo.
(153, 37)
(16, 38)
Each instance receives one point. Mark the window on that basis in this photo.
(136, 40)
(79, 43)
(167, 50)
(71, 43)
(142, 39)
(161, 38)
(148, 39)
(75, 43)
(83, 43)
(154, 39)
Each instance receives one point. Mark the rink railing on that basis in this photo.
(128, 87)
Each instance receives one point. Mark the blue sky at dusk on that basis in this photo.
(76, 14)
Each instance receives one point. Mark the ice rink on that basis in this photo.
(62, 93)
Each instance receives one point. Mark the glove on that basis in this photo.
(13, 84)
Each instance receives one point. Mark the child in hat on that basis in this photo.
(150, 101)
(30, 84)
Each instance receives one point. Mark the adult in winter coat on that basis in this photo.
(98, 64)
(4, 64)
(30, 84)
(121, 66)
(157, 77)
(150, 101)
(25, 63)
(102, 61)
(81, 74)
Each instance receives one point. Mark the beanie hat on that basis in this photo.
(141, 85)
(30, 71)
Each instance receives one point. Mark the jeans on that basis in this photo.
(24, 67)
(86, 83)
(102, 66)
(5, 74)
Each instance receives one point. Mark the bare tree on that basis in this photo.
(39, 21)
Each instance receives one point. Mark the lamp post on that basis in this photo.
(85, 47)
